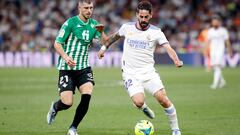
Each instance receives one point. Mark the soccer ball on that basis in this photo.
(144, 127)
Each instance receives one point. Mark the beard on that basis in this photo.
(143, 24)
(215, 26)
(86, 16)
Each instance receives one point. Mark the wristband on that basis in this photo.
(104, 48)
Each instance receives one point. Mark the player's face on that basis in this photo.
(143, 17)
(215, 23)
(85, 10)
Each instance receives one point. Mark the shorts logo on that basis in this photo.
(90, 77)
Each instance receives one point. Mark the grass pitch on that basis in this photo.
(26, 94)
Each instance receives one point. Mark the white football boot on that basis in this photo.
(51, 114)
(72, 131)
(222, 83)
(213, 87)
(176, 132)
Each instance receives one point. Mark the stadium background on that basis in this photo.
(27, 32)
(32, 25)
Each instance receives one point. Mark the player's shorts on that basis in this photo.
(70, 79)
(137, 83)
(216, 58)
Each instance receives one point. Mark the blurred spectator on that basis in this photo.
(32, 25)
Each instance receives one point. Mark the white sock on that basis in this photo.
(144, 106)
(172, 116)
(217, 76)
(222, 80)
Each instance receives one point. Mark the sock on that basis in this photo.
(144, 106)
(217, 76)
(172, 116)
(59, 106)
(81, 110)
(222, 80)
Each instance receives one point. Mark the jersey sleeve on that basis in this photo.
(64, 33)
(162, 38)
(121, 31)
(97, 33)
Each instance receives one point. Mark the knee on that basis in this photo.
(67, 98)
(165, 102)
(138, 103)
(67, 102)
(162, 98)
(86, 88)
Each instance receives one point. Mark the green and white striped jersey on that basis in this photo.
(75, 36)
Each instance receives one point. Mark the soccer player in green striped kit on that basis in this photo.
(72, 44)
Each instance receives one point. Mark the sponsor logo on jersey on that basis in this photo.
(92, 25)
(61, 33)
(138, 43)
(66, 23)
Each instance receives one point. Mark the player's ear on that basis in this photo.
(79, 6)
(137, 15)
(151, 14)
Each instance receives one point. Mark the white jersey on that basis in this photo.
(217, 38)
(139, 47)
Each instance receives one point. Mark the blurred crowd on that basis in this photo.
(32, 25)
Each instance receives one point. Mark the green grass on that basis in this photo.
(26, 94)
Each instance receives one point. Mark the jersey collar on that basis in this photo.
(83, 21)
(142, 29)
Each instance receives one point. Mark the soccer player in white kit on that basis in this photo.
(217, 38)
(138, 69)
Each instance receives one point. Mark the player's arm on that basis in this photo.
(229, 47)
(173, 55)
(100, 29)
(110, 40)
(59, 49)
(60, 40)
(206, 48)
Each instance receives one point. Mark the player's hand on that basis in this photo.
(69, 61)
(100, 28)
(178, 63)
(231, 54)
(101, 54)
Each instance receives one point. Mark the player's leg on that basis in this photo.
(136, 92)
(222, 82)
(138, 100)
(85, 84)
(218, 80)
(169, 109)
(155, 87)
(216, 76)
(86, 91)
(66, 89)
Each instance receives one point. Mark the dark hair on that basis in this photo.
(85, 1)
(216, 17)
(144, 5)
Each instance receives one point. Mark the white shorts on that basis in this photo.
(137, 83)
(216, 58)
